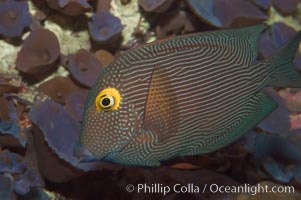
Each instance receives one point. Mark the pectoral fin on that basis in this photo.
(158, 110)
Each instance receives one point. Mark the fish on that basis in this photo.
(182, 96)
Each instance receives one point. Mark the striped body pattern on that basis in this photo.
(186, 95)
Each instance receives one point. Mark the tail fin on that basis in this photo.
(285, 73)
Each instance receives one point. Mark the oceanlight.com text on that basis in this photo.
(157, 188)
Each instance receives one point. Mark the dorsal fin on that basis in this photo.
(242, 41)
(251, 34)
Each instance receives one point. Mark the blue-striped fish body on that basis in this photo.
(185, 95)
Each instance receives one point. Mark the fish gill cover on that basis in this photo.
(51, 53)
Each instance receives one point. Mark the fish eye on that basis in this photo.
(108, 99)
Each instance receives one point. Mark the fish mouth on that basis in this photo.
(84, 155)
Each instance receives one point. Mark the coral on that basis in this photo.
(22, 176)
(292, 99)
(56, 132)
(155, 5)
(265, 4)
(11, 163)
(266, 46)
(40, 121)
(221, 13)
(59, 88)
(104, 57)
(14, 17)
(84, 67)
(75, 105)
(6, 187)
(68, 129)
(70, 7)
(286, 6)
(281, 33)
(103, 5)
(103, 26)
(204, 10)
(274, 37)
(176, 22)
(38, 53)
(232, 16)
(10, 124)
(279, 157)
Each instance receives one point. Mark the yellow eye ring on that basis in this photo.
(108, 99)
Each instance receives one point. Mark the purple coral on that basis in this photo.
(63, 3)
(59, 88)
(11, 163)
(39, 52)
(6, 186)
(279, 156)
(84, 67)
(286, 7)
(75, 105)
(103, 26)
(14, 17)
(61, 136)
(222, 13)
(23, 176)
(70, 7)
(265, 4)
(155, 5)
(281, 33)
(9, 124)
(28, 180)
(104, 57)
(274, 38)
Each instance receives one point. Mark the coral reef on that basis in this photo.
(39, 52)
(286, 7)
(59, 88)
(84, 67)
(103, 26)
(70, 7)
(155, 6)
(51, 53)
(221, 13)
(14, 17)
